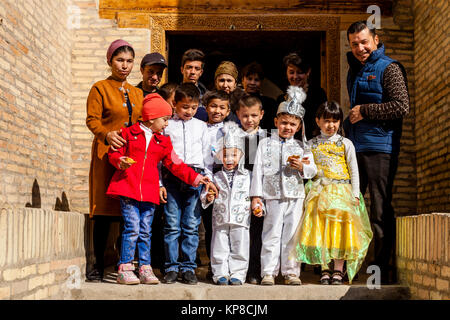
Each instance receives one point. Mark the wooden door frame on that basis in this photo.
(159, 24)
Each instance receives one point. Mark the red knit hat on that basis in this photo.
(155, 107)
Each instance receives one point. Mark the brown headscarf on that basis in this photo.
(227, 67)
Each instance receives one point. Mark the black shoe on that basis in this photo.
(209, 274)
(189, 277)
(170, 277)
(253, 279)
(95, 275)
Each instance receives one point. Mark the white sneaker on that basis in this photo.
(292, 279)
(268, 280)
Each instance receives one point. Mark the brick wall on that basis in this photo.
(397, 34)
(42, 253)
(423, 255)
(432, 129)
(35, 101)
(91, 40)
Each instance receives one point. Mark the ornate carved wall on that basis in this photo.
(108, 8)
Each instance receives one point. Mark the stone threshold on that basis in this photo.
(206, 290)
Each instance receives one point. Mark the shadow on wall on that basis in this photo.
(35, 196)
(63, 204)
(60, 205)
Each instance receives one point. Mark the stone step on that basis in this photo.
(206, 290)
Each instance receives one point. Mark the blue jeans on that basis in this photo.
(182, 219)
(137, 217)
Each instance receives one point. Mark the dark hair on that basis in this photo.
(288, 114)
(193, 55)
(297, 60)
(215, 94)
(166, 89)
(253, 68)
(330, 110)
(359, 26)
(121, 49)
(187, 90)
(249, 101)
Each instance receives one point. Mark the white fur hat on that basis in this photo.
(293, 104)
(233, 137)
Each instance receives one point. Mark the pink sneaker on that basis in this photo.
(126, 274)
(147, 276)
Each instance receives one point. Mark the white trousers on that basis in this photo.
(230, 250)
(278, 243)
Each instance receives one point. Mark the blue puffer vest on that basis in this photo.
(364, 83)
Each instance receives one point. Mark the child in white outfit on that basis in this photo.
(231, 213)
(281, 164)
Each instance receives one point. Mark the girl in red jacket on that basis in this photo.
(136, 183)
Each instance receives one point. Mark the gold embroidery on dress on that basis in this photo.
(329, 155)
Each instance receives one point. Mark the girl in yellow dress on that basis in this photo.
(335, 224)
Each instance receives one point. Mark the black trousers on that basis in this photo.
(157, 241)
(377, 171)
(207, 224)
(102, 226)
(254, 264)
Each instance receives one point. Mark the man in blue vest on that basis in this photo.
(378, 92)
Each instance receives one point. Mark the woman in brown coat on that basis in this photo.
(112, 103)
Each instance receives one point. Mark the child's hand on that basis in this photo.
(212, 190)
(296, 164)
(305, 160)
(257, 206)
(163, 195)
(210, 197)
(124, 163)
(204, 180)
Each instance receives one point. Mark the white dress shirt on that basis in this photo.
(215, 133)
(190, 141)
(148, 135)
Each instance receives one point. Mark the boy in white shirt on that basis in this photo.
(281, 164)
(250, 113)
(182, 210)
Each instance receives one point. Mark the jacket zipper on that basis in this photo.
(231, 194)
(281, 168)
(184, 143)
(142, 175)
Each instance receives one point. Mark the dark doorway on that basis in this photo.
(242, 47)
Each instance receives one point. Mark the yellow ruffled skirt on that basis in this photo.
(333, 226)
